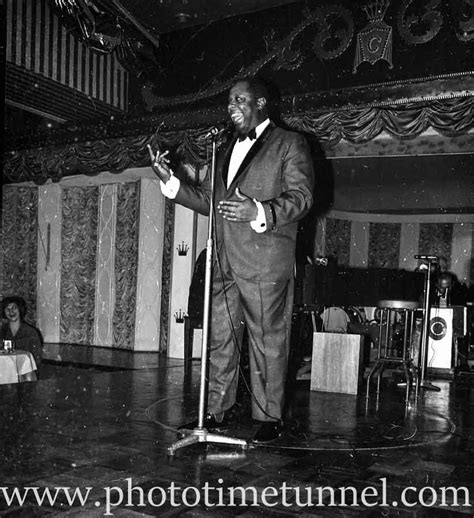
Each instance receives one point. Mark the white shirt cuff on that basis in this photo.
(259, 224)
(171, 187)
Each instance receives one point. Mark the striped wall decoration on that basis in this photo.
(394, 240)
(38, 42)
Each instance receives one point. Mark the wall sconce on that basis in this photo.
(179, 316)
(182, 248)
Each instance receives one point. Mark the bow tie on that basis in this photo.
(252, 135)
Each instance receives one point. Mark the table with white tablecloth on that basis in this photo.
(17, 366)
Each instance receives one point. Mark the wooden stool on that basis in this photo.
(395, 313)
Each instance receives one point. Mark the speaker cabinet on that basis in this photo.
(440, 338)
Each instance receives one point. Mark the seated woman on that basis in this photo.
(24, 336)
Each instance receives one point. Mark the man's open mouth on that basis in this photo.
(236, 117)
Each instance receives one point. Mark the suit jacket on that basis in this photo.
(278, 172)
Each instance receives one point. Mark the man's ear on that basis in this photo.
(261, 103)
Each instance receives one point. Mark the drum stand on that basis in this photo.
(424, 383)
(200, 434)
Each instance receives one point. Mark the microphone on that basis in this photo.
(214, 131)
(427, 257)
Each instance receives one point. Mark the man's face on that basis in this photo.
(244, 109)
(12, 312)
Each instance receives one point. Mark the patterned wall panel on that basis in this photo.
(436, 239)
(338, 240)
(166, 274)
(393, 241)
(384, 245)
(150, 261)
(49, 260)
(20, 242)
(104, 296)
(126, 264)
(78, 267)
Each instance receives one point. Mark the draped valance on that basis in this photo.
(449, 117)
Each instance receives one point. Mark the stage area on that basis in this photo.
(109, 426)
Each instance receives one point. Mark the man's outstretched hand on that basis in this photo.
(160, 164)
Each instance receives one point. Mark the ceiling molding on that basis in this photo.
(419, 90)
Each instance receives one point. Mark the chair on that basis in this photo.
(396, 324)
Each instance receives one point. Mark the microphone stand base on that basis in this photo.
(199, 435)
(427, 385)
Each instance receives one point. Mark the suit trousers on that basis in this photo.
(265, 308)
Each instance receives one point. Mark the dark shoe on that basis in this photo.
(210, 423)
(268, 432)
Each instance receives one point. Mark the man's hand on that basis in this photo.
(160, 164)
(241, 209)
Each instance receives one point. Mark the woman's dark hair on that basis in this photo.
(19, 301)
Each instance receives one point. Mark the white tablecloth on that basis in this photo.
(14, 365)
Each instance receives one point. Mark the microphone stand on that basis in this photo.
(200, 434)
(424, 383)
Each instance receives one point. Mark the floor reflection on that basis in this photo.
(83, 428)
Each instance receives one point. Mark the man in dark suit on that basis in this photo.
(263, 186)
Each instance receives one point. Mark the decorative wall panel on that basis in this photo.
(409, 234)
(126, 264)
(166, 274)
(436, 239)
(450, 237)
(105, 281)
(49, 260)
(359, 252)
(384, 245)
(20, 241)
(462, 252)
(78, 266)
(338, 240)
(181, 274)
(150, 261)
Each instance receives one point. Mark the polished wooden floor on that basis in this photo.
(111, 426)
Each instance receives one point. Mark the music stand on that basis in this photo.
(424, 383)
(200, 434)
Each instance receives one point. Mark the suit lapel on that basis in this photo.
(225, 166)
(249, 156)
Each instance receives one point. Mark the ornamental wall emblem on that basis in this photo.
(335, 31)
(419, 21)
(374, 42)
